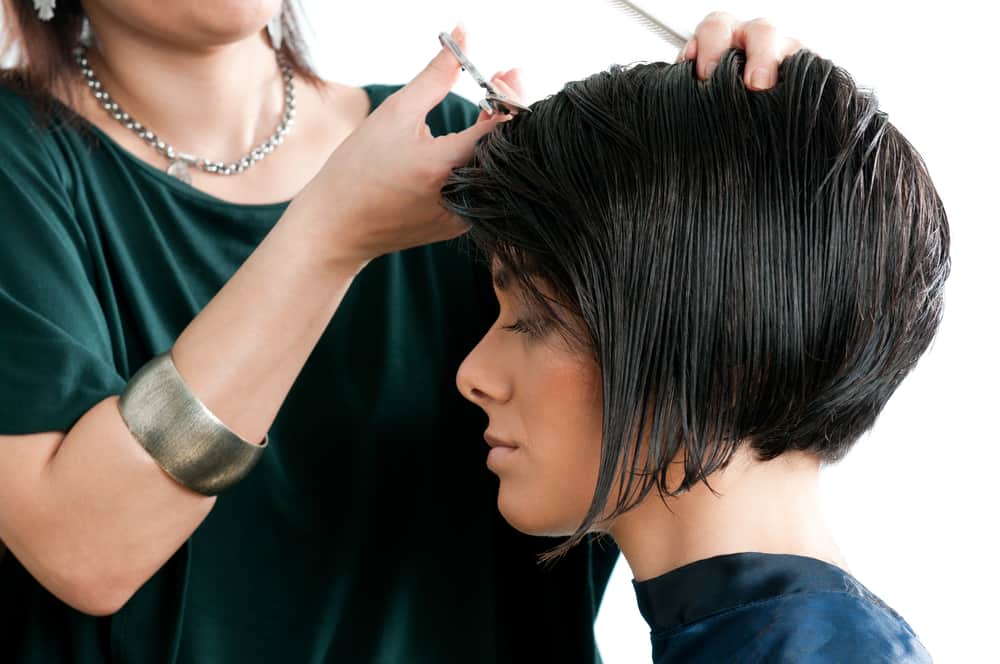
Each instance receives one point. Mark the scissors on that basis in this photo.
(496, 101)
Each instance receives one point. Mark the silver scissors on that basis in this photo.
(496, 101)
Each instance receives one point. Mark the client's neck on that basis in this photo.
(769, 507)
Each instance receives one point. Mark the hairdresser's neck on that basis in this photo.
(216, 101)
(771, 507)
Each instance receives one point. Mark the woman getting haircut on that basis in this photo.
(706, 293)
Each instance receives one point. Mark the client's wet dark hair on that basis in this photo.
(758, 268)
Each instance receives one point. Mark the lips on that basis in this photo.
(500, 454)
(493, 441)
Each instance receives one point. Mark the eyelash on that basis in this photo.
(523, 327)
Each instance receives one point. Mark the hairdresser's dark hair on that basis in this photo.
(758, 268)
(40, 57)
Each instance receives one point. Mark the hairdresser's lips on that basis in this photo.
(500, 452)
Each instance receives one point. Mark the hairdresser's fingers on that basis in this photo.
(514, 79)
(456, 149)
(507, 90)
(501, 81)
(432, 84)
(713, 36)
(509, 83)
(765, 48)
(689, 52)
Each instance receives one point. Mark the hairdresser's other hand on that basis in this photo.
(764, 45)
(379, 191)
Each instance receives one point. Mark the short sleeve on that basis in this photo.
(55, 350)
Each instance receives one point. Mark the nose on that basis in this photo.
(481, 379)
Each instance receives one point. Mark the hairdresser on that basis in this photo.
(229, 330)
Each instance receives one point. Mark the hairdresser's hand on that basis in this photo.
(379, 191)
(508, 82)
(764, 45)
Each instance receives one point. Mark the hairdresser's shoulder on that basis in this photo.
(17, 113)
(27, 122)
(31, 156)
(454, 113)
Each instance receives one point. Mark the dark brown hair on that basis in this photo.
(752, 268)
(40, 57)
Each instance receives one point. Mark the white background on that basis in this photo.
(913, 506)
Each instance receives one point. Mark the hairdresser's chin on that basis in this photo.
(197, 24)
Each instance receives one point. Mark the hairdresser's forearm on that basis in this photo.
(242, 353)
(89, 513)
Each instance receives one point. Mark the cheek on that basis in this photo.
(560, 408)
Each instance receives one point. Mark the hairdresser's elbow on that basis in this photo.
(95, 592)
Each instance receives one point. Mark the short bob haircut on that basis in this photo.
(40, 53)
(748, 268)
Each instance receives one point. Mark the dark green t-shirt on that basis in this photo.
(369, 531)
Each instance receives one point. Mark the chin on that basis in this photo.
(532, 515)
(224, 21)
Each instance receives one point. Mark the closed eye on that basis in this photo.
(519, 326)
(534, 328)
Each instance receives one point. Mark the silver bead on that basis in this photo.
(256, 154)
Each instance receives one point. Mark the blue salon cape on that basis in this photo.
(757, 607)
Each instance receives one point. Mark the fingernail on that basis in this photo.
(709, 68)
(760, 79)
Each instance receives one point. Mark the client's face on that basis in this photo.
(543, 399)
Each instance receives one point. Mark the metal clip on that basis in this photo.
(495, 101)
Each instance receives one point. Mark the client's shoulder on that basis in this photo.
(814, 626)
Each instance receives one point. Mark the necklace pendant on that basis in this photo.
(179, 170)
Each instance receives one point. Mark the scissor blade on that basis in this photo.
(450, 44)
